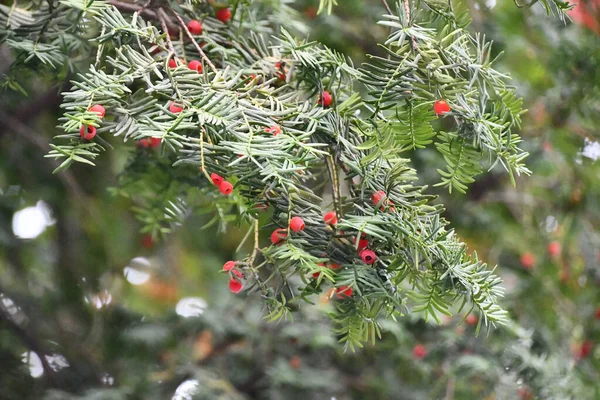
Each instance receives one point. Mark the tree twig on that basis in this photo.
(387, 7)
(200, 51)
(407, 13)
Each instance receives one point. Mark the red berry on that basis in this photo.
(317, 274)
(597, 312)
(378, 197)
(419, 351)
(216, 179)
(278, 235)
(87, 132)
(155, 142)
(224, 15)
(275, 130)
(527, 260)
(235, 286)
(344, 291)
(554, 249)
(226, 188)
(334, 266)
(142, 144)
(195, 27)
(362, 244)
(229, 265)
(195, 65)
(586, 348)
(330, 218)
(368, 256)
(471, 319)
(147, 242)
(525, 394)
(175, 108)
(172, 63)
(325, 99)
(295, 362)
(441, 107)
(98, 109)
(297, 224)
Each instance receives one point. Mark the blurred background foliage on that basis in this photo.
(111, 313)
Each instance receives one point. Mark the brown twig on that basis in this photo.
(407, 13)
(163, 23)
(200, 51)
(387, 7)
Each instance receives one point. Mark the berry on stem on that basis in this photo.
(325, 99)
(278, 236)
(362, 244)
(297, 224)
(235, 286)
(87, 132)
(554, 249)
(216, 179)
(229, 265)
(172, 63)
(175, 108)
(378, 197)
(368, 256)
(225, 188)
(419, 351)
(195, 27)
(224, 15)
(98, 109)
(441, 107)
(344, 291)
(330, 218)
(471, 319)
(527, 260)
(195, 65)
(155, 142)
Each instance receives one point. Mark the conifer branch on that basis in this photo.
(196, 45)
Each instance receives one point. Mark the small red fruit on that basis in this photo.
(368, 256)
(226, 188)
(330, 218)
(362, 244)
(344, 291)
(527, 260)
(147, 242)
(378, 197)
(334, 266)
(586, 348)
(175, 108)
(419, 351)
(597, 312)
(471, 319)
(172, 63)
(275, 130)
(295, 362)
(224, 15)
(235, 286)
(87, 132)
(142, 144)
(229, 265)
(297, 224)
(317, 274)
(325, 99)
(216, 179)
(441, 107)
(195, 65)
(98, 109)
(554, 249)
(155, 142)
(278, 235)
(195, 27)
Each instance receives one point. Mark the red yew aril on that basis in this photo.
(216, 179)
(368, 256)
(98, 109)
(195, 27)
(441, 107)
(297, 224)
(195, 65)
(344, 291)
(325, 99)
(87, 132)
(330, 218)
(278, 236)
(224, 15)
(225, 188)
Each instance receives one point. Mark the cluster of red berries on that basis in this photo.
(88, 132)
(235, 283)
(224, 187)
(528, 259)
(194, 65)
